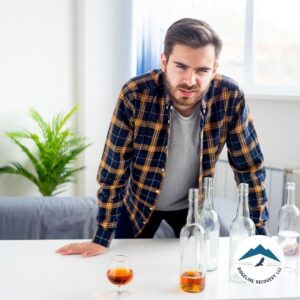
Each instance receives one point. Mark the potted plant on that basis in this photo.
(56, 148)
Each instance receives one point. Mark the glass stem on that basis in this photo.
(119, 290)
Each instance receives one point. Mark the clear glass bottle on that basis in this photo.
(240, 228)
(209, 220)
(288, 232)
(192, 249)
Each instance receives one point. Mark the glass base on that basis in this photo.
(119, 294)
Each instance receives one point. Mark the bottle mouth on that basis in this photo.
(291, 185)
(193, 194)
(244, 189)
(208, 183)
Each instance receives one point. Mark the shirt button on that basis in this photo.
(144, 222)
(151, 208)
(171, 107)
(157, 191)
(163, 169)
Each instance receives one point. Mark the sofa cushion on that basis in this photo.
(47, 217)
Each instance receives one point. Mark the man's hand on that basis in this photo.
(85, 249)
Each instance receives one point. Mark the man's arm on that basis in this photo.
(246, 160)
(114, 170)
(112, 177)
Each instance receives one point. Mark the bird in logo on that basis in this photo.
(260, 263)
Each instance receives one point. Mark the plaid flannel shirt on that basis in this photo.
(133, 164)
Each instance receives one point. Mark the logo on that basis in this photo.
(258, 260)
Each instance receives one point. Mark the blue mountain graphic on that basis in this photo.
(259, 250)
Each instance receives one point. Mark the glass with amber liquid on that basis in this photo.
(192, 249)
(119, 273)
(192, 281)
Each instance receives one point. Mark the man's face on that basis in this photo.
(187, 75)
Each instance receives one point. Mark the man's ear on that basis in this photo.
(163, 62)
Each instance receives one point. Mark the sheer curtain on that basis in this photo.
(153, 17)
(148, 35)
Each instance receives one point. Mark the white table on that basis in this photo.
(32, 270)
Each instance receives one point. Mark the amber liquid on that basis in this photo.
(119, 276)
(192, 282)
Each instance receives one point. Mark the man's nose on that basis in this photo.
(190, 78)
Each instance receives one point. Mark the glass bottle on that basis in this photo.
(209, 220)
(288, 233)
(192, 249)
(240, 228)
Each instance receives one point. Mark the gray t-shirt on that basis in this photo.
(182, 168)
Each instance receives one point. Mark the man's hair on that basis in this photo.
(193, 33)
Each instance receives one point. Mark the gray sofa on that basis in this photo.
(24, 218)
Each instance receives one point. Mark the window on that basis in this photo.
(261, 44)
(277, 44)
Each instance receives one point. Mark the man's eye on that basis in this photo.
(202, 71)
(180, 67)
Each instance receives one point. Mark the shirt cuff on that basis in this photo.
(103, 237)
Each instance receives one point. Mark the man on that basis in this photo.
(166, 134)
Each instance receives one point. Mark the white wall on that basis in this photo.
(278, 127)
(55, 53)
(107, 61)
(36, 70)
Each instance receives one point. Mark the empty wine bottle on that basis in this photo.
(192, 249)
(240, 228)
(288, 231)
(209, 220)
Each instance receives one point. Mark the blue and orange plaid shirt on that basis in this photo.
(132, 168)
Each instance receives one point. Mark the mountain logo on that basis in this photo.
(259, 250)
(258, 260)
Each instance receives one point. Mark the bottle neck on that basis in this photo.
(192, 216)
(243, 206)
(208, 193)
(290, 194)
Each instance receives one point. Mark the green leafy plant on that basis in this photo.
(56, 149)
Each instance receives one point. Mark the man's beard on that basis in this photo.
(183, 101)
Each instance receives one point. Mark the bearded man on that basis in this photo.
(166, 134)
